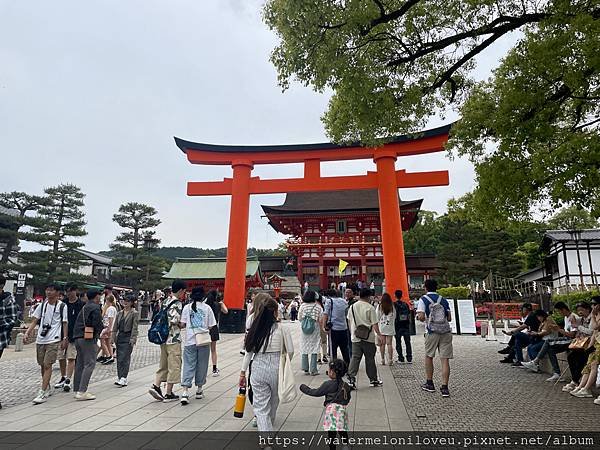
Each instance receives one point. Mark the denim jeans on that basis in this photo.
(313, 363)
(551, 351)
(534, 349)
(521, 340)
(195, 365)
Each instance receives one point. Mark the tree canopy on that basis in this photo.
(60, 222)
(531, 129)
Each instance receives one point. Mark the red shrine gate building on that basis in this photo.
(327, 226)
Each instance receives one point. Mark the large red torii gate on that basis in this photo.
(386, 180)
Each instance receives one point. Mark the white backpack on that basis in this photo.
(438, 319)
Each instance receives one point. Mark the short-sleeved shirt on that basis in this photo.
(424, 304)
(110, 313)
(174, 316)
(200, 320)
(568, 326)
(73, 310)
(362, 313)
(48, 314)
(386, 321)
(336, 309)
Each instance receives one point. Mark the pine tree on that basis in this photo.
(134, 246)
(60, 221)
(14, 225)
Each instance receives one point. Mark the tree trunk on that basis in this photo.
(52, 266)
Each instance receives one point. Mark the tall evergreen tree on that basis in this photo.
(14, 227)
(60, 222)
(134, 246)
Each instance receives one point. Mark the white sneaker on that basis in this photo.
(41, 397)
(554, 377)
(86, 396)
(123, 381)
(254, 422)
(569, 387)
(597, 401)
(531, 365)
(199, 394)
(77, 395)
(60, 384)
(582, 393)
(216, 372)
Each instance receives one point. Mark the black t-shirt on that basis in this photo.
(73, 310)
(216, 309)
(532, 323)
(402, 315)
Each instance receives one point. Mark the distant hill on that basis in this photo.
(172, 253)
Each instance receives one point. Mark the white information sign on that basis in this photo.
(453, 321)
(466, 316)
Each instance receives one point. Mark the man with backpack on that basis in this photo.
(435, 309)
(402, 327)
(166, 332)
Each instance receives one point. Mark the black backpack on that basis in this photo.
(402, 313)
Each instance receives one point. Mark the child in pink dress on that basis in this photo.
(337, 398)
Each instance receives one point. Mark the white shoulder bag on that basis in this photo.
(286, 381)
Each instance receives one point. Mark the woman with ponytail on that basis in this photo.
(265, 341)
(197, 318)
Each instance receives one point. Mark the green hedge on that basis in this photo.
(455, 292)
(573, 298)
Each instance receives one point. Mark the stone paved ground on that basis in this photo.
(132, 408)
(20, 379)
(489, 396)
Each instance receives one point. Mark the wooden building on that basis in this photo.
(210, 273)
(325, 227)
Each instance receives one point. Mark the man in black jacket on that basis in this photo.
(90, 316)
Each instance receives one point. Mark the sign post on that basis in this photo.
(21, 292)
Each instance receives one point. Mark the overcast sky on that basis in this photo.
(92, 93)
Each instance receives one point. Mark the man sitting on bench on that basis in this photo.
(520, 336)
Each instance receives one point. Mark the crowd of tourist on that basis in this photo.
(579, 338)
(337, 328)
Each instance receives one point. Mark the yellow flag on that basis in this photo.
(342, 266)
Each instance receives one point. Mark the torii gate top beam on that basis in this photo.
(428, 141)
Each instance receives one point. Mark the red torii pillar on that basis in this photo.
(386, 180)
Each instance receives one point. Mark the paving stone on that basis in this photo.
(487, 395)
(25, 380)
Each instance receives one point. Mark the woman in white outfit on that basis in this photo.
(310, 344)
(264, 342)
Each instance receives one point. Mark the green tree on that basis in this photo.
(59, 222)
(14, 227)
(531, 129)
(424, 236)
(133, 247)
(572, 218)
(529, 255)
